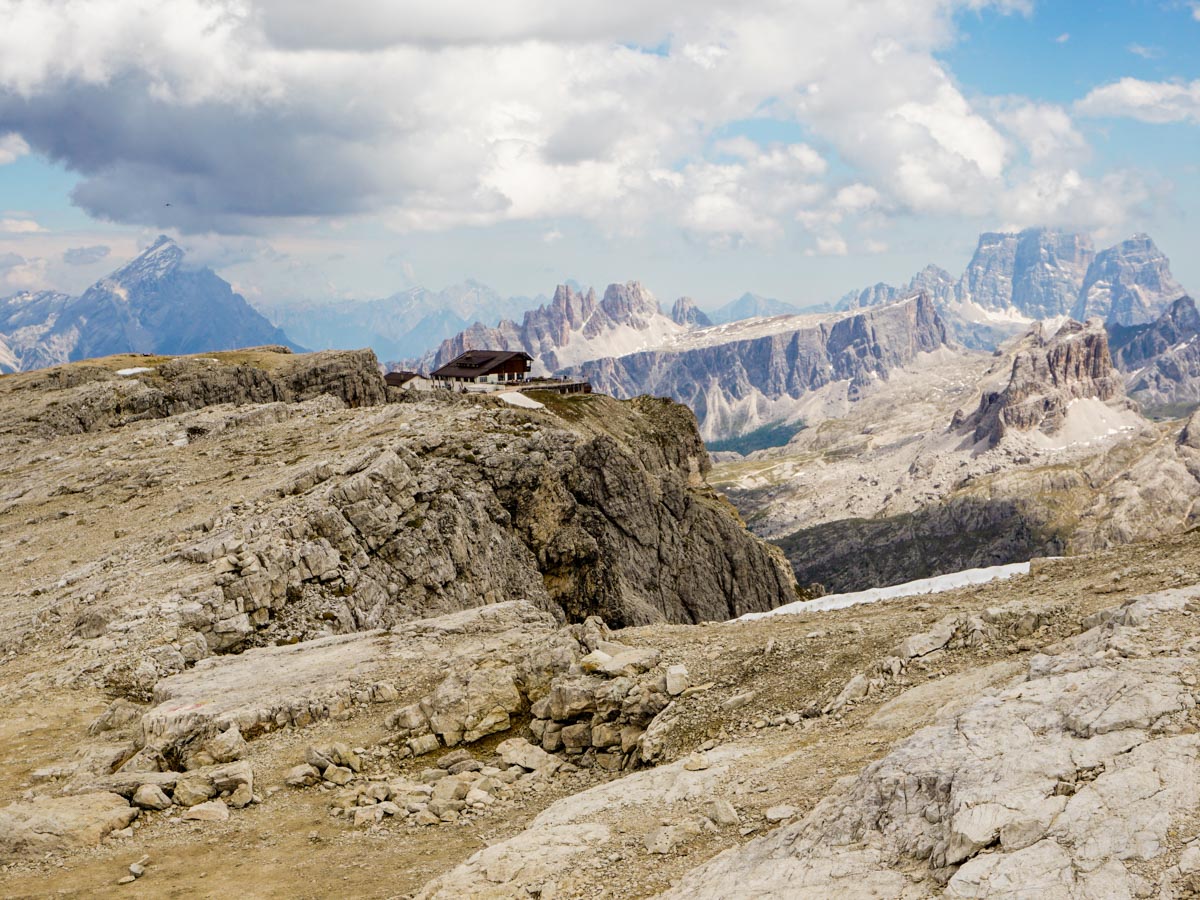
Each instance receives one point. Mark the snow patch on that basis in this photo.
(516, 398)
(935, 585)
(136, 370)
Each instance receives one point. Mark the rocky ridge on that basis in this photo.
(573, 327)
(1161, 359)
(736, 384)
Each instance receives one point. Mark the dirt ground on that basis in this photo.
(289, 845)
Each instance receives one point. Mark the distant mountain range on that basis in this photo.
(749, 363)
(1015, 278)
(402, 325)
(154, 304)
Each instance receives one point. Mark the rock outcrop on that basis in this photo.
(1070, 782)
(611, 518)
(1047, 375)
(96, 395)
(725, 380)
(1129, 284)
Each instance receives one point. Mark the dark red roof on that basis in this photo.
(399, 379)
(479, 363)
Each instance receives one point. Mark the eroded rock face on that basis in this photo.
(571, 318)
(615, 522)
(1037, 271)
(686, 312)
(1161, 359)
(1060, 785)
(1128, 284)
(717, 380)
(90, 397)
(1074, 364)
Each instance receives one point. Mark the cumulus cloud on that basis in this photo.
(18, 273)
(1045, 130)
(20, 225)
(12, 148)
(85, 256)
(229, 115)
(1157, 102)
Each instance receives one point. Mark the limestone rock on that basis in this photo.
(150, 796)
(519, 752)
(61, 823)
(211, 811)
(193, 788)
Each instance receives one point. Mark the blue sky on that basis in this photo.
(795, 150)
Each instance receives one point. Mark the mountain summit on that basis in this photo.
(156, 303)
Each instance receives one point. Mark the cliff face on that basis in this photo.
(720, 380)
(1161, 359)
(307, 517)
(1128, 284)
(1037, 271)
(1074, 364)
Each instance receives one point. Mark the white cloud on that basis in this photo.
(19, 226)
(1145, 52)
(18, 273)
(1062, 38)
(830, 245)
(552, 236)
(242, 113)
(1196, 11)
(12, 148)
(1045, 130)
(1157, 102)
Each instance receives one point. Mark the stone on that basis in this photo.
(229, 776)
(227, 746)
(519, 752)
(779, 813)
(696, 762)
(151, 796)
(423, 744)
(577, 738)
(367, 815)
(241, 797)
(925, 643)
(53, 824)
(137, 870)
(302, 775)
(426, 818)
(720, 812)
(605, 735)
(446, 760)
(338, 774)
(192, 788)
(210, 811)
(677, 680)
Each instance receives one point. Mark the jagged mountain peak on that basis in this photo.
(1129, 283)
(686, 312)
(1049, 373)
(157, 261)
